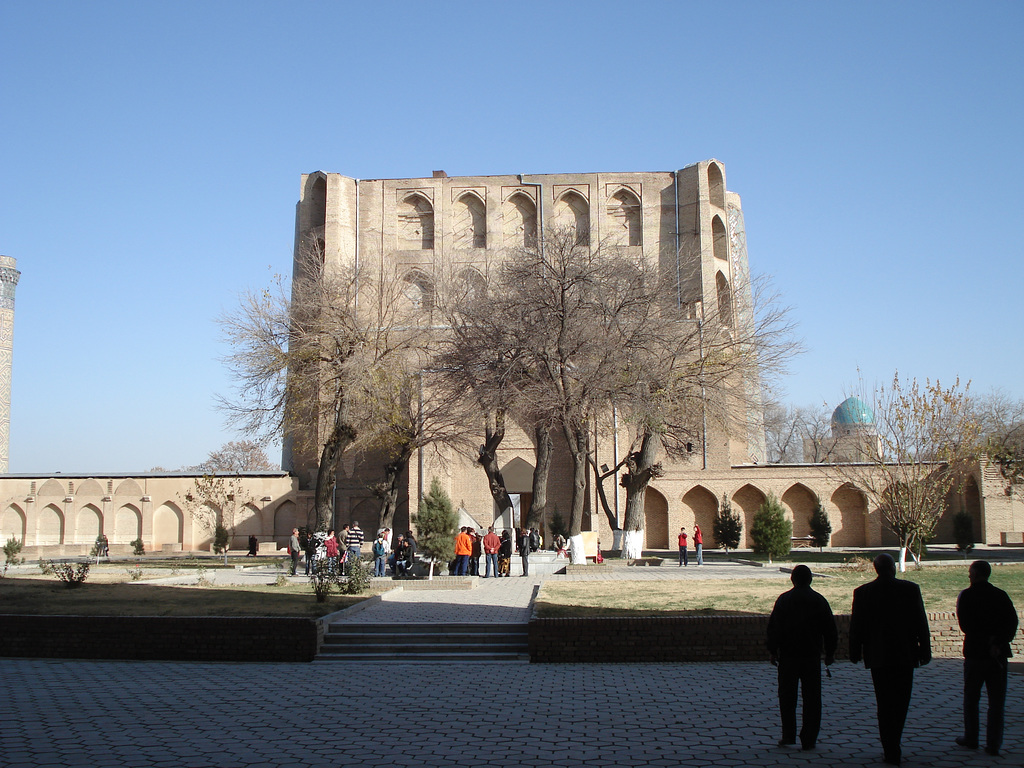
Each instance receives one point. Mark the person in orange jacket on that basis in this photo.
(463, 549)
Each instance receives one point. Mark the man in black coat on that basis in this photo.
(800, 627)
(989, 622)
(889, 630)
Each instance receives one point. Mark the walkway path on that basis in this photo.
(178, 715)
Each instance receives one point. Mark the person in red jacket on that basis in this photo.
(683, 559)
(463, 549)
(698, 544)
(491, 544)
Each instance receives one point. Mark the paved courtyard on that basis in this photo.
(339, 715)
(178, 715)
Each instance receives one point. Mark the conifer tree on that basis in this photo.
(771, 531)
(821, 528)
(727, 526)
(435, 526)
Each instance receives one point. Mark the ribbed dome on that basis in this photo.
(852, 412)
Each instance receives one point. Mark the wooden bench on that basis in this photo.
(799, 542)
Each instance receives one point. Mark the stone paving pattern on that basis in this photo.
(164, 715)
(185, 715)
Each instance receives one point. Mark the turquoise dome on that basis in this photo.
(852, 412)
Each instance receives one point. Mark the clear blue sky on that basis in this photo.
(150, 157)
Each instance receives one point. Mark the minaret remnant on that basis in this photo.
(8, 282)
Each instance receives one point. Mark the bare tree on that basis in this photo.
(236, 456)
(694, 373)
(215, 502)
(1001, 422)
(797, 434)
(303, 353)
(927, 442)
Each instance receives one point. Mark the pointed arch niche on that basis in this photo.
(418, 289)
(518, 476)
(12, 524)
(724, 300)
(168, 526)
(624, 214)
(415, 223)
(127, 525)
(572, 213)
(748, 499)
(519, 217)
(89, 525)
(716, 185)
(51, 526)
(655, 520)
(469, 222)
(799, 502)
(700, 506)
(849, 530)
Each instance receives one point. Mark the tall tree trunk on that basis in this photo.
(539, 503)
(578, 438)
(488, 459)
(641, 469)
(388, 489)
(341, 436)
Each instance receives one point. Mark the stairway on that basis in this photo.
(444, 643)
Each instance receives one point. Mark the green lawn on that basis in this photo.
(940, 586)
(44, 595)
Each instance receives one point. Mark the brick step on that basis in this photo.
(425, 642)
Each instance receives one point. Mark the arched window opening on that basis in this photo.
(520, 219)
(716, 185)
(418, 290)
(572, 213)
(317, 202)
(724, 300)
(624, 212)
(720, 238)
(470, 222)
(415, 223)
(471, 285)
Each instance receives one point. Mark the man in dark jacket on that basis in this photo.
(889, 630)
(800, 627)
(989, 622)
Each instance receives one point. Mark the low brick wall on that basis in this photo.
(696, 638)
(166, 638)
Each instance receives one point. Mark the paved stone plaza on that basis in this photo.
(337, 715)
(178, 715)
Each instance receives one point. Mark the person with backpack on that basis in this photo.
(535, 541)
(380, 554)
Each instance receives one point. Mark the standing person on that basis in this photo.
(535, 540)
(800, 627)
(309, 547)
(491, 545)
(294, 550)
(989, 622)
(474, 556)
(398, 562)
(683, 559)
(354, 542)
(331, 546)
(523, 544)
(505, 554)
(380, 554)
(698, 544)
(463, 549)
(889, 630)
(254, 545)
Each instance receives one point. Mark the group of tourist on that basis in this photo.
(470, 544)
(889, 631)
